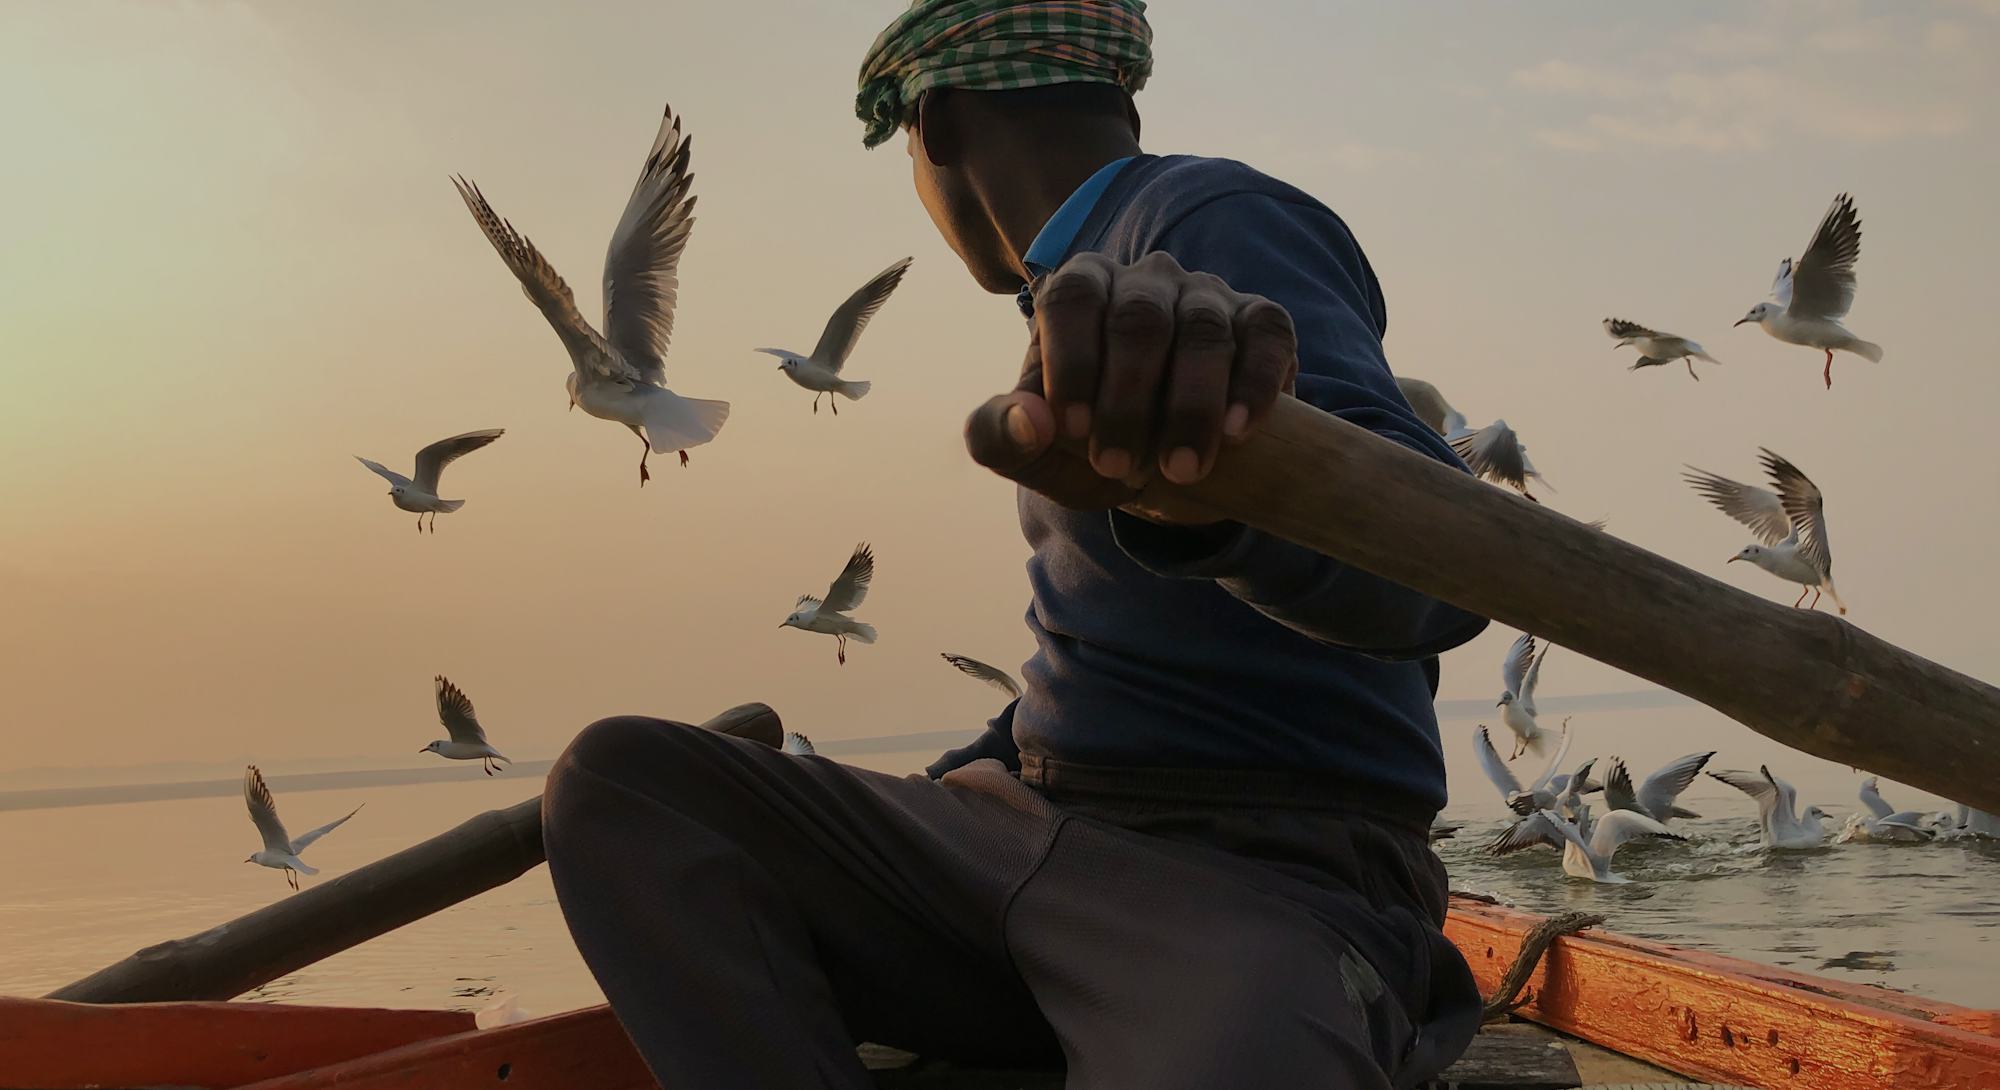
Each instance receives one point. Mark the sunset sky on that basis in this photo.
(230, 260)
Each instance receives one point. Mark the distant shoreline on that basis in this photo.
(51, 798)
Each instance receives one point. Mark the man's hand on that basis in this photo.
(1156, 366)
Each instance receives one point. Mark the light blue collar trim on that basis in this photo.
(1052, 244)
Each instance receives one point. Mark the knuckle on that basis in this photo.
(1264, 318)
(1072, 287)
(1203, 325)
(1139, 316)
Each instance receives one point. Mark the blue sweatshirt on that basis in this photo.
(1222, 647)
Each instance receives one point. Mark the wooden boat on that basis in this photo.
(1622, 1008)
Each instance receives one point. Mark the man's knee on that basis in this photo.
(614, 752)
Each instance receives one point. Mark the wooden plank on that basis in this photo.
(1807, 679)
(47, 1045)
(579, 1050)
(1502, 1060)
(227, 960)
(1728, 1020)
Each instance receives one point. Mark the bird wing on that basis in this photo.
(843, 330)
(798, 744)
(1429, 405)
(1618, 793)
(432, 459)
(1622, 330)
(852, 586)
(386, 473)
(1493, 452)
(1490, 763)
(1514, 668)
(1758, 508)
(1805, 509)
(1787, 796)
(807, 600)
(539, 279)
(991, 675)
(304, 840)
(1871, 797)
(1529, 683)
(264, 811)
(1912, 820)
(1781, 284)
(1540, 827)
(455, 712)
(1759, 787)
(1618, 827)
(1543, 782)
(641, 281)
(1657, 794)
(1823, 280)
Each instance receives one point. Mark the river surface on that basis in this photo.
(83, 886)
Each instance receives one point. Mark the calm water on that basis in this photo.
(85, 886)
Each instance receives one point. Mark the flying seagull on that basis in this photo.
(1519, 673)
(281, 850)
(1779, 824)
(420, 494)
(829, 615)
(991, 675)
(1654, 798)
(1656, 349)
(1811, 297)
(820, 372)
(620, 374)
(1791, 523)
(1497, 454)
(1540, 794)
(1582, 858)
(468, 738)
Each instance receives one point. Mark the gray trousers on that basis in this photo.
(752, 916)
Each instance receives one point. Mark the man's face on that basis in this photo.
(959, 217)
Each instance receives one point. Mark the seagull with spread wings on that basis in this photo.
(281, 850)
(829, 614)
(620, 374)
(419, 493)
(1582, 858)
(820, 372)
(979, 671)
(1656, 349)
(1810, 298)
(1540, 793)
(1790, 521)
(1779, 824)
(1655, 797)
(1520, 671)
(1878, 821)
(1496, 453)
(467, 741)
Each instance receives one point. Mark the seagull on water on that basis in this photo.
(1497, 454)
(1537, 795)
(1811, 297)
(798, 745)
(1656, 349)
(1966, 821)
(468, 738)
(281, 850)
(420, 494)
(1655, 797)
(991, 675)
(1582, 858)
(1779, 825)
(1519, 673)
(620, 374)
(820, 372)
(1791, 522)
(829, 615)
(1880, 821)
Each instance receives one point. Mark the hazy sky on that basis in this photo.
(230, 259)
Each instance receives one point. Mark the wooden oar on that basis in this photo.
(322, 920)
(1808, 679)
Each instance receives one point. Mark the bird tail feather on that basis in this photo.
(1700, 355)
(853, 391)
(303, 867)
(1538, 743)
(1682, 812)
(862, 633)
(1867, 350)
(448, 506)
(674, 422)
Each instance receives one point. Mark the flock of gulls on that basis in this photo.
(618, 374)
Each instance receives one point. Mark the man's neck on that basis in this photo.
(1023, 196)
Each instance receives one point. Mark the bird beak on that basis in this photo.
(1497, 703)
(424, 750)
(781, 367)
(1732, 560)
(1738, 322)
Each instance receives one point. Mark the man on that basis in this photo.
(1194, 853)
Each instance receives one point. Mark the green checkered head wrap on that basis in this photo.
(999, 45)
